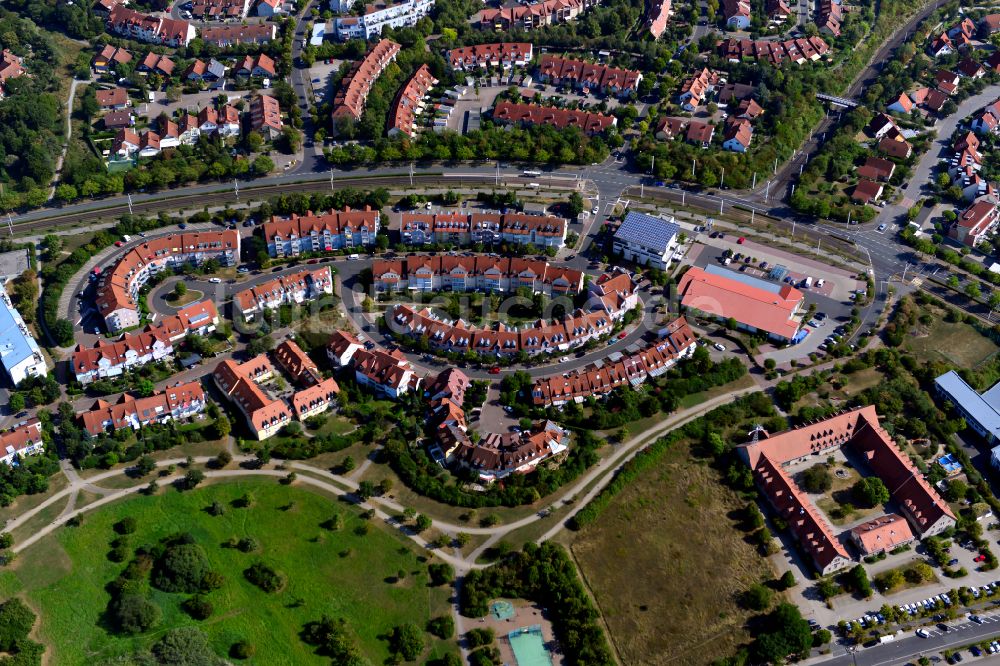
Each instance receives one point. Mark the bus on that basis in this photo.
(530, 173)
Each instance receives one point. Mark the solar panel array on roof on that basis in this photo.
(648, 231)
(744, 278)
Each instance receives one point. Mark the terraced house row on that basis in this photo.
(292, 288)
(334, 230)
(118, 286)
(536, 114)
(483, 56)
(388, 372)
(410, 102)
(486, 228)
(350, 100)
(677, 342)
(483, 273)
(155, 343)
(588, 76)
(559, 335)
(798, 51)
(175, 402)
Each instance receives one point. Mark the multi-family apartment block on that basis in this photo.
(390, 372)
(335, 230)
(858, 431)
(156, 342)
(486, 228)
(378, 15)
(798, 51)
(148, 28)
(531, 17)
(234, 35)
(451, 273)
(241, 383)
(118, 286)
(19, 352)
(176, 402)
(296, 287)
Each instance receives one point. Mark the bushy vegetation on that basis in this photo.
(546, 575)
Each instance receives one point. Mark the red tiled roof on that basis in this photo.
(535, 114)
(752, 306)
(358, 82)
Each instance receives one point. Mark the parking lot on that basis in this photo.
(321, 78)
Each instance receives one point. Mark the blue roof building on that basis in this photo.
(19, 353)
(647, 240)
(981, 411)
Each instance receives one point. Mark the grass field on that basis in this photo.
(666, 563)
(958, 343)
(341, 574)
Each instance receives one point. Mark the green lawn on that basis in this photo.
(340, 574)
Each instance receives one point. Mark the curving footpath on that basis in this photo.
(342, 486)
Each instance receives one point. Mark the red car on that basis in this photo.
(741, 241)
(119, 243)
(495, 370)
(313, 261)
(622, 335)
(980, 558)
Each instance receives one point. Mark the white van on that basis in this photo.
(353, 257)
(808, 282)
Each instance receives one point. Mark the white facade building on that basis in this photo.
(19, 352)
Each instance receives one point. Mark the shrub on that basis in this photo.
(213, 580)
(332, 640)
(248, 545)
(787, 580)
(265, 577)
(126, 525)
(758, 597)
(134, 614)
(198, 607)
(479, 637)
(242, 650)
(184, 646)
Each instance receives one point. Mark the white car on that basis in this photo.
(594, 210)
(719, 347)
(216, 280)
(922, 633)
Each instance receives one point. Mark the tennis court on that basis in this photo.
(528, 646)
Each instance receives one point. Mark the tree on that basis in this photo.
(332, 640)
(192, 478)
(242, 650)
(185, 646)
(16, 620)
(262, 165)
(443, 627)
(224, 457)
(223, 426)
(406, 641)
(422, 523)
(181, 568)
(870, 491)
(575, 204)
(16, 402)
(787, 580)
(135, 614)
(145, 465)
(817, 479)
(366, 490)
(62, 331)
(787, 633)
(180, 289)
(758, 597)
(440, 573)
(859, 580)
